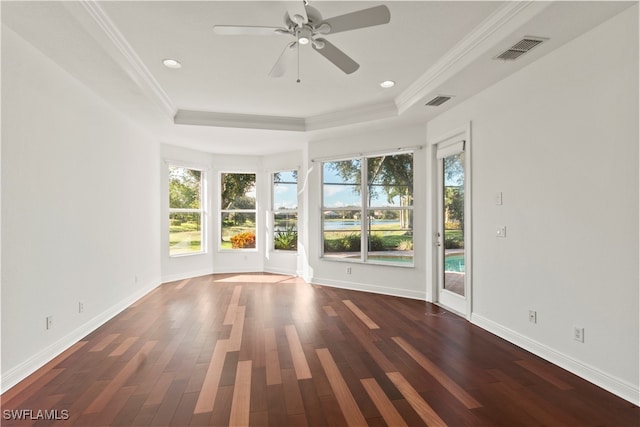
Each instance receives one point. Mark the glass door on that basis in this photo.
(451, 241)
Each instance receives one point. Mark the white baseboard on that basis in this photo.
(191, 274)
(16, 374)
(608, 382)
(365, 287)
(283, 271)
(237, 270)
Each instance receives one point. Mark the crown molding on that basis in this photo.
(333, 119)
(364, 113)
(96, 21)
(506, 19)
(247, 121)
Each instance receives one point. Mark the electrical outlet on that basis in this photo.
(501, 231)
(578, 334)
(499, 198)
(533, 316)
(49, 322)
(348, 270)
(80, 306)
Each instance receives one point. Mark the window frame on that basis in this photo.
(202, 210)
(221, 212)
(363, 209)
(273, 212)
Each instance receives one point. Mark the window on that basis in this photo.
(367, 209)
(285, 210)
(186, 211)
(238, 211)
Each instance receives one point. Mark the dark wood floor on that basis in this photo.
(260, 349)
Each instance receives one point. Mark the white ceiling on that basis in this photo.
(430, 47)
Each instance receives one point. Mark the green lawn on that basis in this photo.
(386, 237)
(184, 242)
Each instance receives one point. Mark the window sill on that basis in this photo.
(379, 263)
(188, 254)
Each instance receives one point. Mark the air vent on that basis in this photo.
(438, 100)
(520, 48)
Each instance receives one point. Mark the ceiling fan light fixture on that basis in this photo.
(171, 63)
(387, 84)
(304, 36)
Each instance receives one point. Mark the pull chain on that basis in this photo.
(298, 81)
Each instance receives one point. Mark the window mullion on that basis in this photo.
(364, 191)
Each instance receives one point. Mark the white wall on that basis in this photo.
(180, 267)
(283, 262)
(560, 140)
(79, 214)
(402, 281)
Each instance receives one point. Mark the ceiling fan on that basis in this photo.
(306, 25)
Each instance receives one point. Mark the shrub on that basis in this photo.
(376, 243)
(351, 243)
(243, 240)
(405, 245)
(286, 240)
(453, 243)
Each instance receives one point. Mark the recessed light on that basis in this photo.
(171, 63)
(387, 84)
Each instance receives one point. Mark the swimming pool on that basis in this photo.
(454, 262)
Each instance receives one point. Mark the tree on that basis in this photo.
(184, 188)
(391, 174)
(454, 189)
(235, 187)
(454, 205)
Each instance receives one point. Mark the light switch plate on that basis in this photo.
(501, 231)
(499, 198)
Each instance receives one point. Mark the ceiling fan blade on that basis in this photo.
(337, 57)
(377, 15)
(297, 8)
(285, 58)
(240, 30)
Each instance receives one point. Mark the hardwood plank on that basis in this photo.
(182, 284)
(235, 338)
(37, 377)
(184, 411)
(389, 412)
(343, 395)
(114, 386)
(271, 356)
(541, 371)
(19, 396)
(160, 389)
(104, 342)
(291, 390)
(330, 311)
(452, 387)
(241, 402)
(207, 396)
(424, 410)
(297, 354)
(123, 347)
(169, 405)
(233, 306)
(360, 315)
